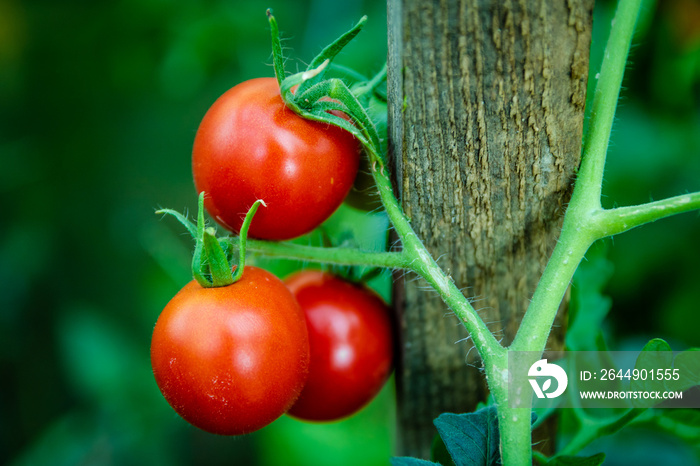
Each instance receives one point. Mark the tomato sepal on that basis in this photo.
(315, 71)
(311, 96)
(212, 260)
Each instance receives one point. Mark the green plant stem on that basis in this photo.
(607, 91)
(515, 428)
(421, 262)
(590, 429)
(621, 219)
(574, 241)
(338, 256)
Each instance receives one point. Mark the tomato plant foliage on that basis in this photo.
(250, 146)
(231, 359)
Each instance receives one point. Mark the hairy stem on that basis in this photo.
(573, 243)
(607, 91)
(515, 426)
(424, 265)
(338, 256)
(621, 219)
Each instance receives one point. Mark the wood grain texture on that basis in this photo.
(486, 118)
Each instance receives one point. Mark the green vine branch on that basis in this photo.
(329, 255)
(607, 91)
(618, 220)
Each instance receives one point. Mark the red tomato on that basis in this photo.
(351, 342)
(231, 360)
(250, 146)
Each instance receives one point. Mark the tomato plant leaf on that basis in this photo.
(439, 453)
(277, 57)
(655, 356)
(471, 439)
(187, 223)
(594, 460)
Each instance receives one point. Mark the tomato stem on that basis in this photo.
(580, 228)
(328, 255)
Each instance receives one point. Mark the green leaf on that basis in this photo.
(656, 355)
(594, 460)
(242, 238)
(409, 461)
(277, 57)
(191, 227)
(471, 439)
(439, 453)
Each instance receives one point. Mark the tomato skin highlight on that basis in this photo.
(351, 342)
(232, 359)
(250, 146)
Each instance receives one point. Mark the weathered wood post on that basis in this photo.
(485, 125)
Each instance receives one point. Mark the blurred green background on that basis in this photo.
(99, 104)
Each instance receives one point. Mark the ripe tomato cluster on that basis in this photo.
(232, 359)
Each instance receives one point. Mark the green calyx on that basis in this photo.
(314, 97)
(212, 261)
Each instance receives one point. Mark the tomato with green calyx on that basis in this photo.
(351, 343)
(251, 146)
(231, 359)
